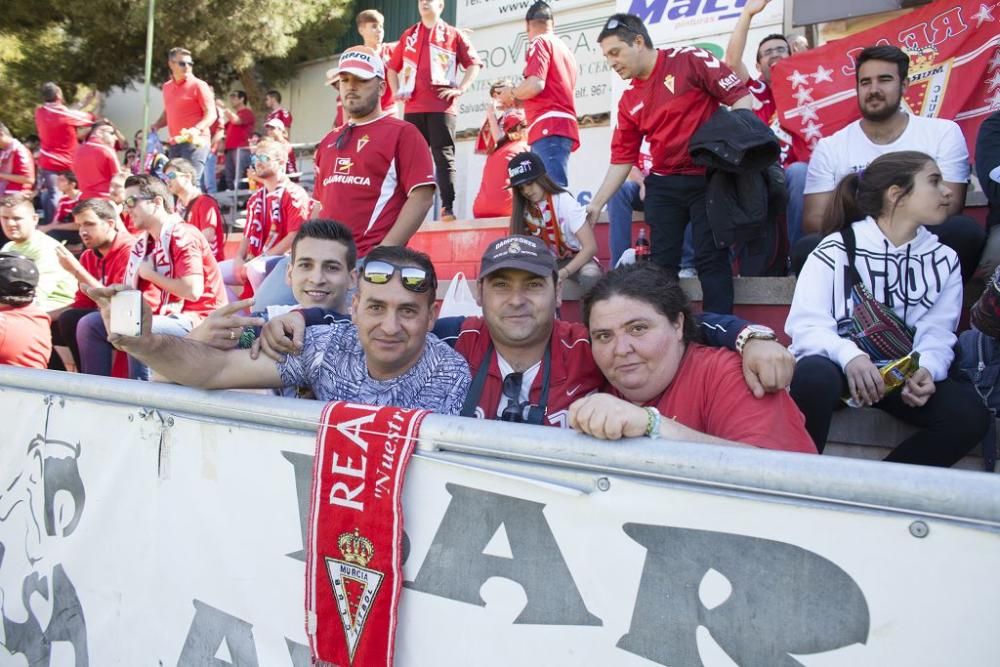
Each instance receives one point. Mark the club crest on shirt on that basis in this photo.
(668, 81)
(355, 586)
(362, 142)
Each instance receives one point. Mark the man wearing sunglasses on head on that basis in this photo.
(274, 213)
(386, 357)
(188, 111)
(527, 366)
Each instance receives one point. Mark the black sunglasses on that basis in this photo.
(343, 137)
(413, 278)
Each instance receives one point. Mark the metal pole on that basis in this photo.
(149, 75)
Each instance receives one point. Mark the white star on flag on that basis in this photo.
(803, 95)
(984, 14)
(797, 79)
(808, 112)
(995, 61)
(994, 81)
(822, 74)
(994, 101)
(812, 131)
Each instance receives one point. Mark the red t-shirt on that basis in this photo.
(204, 213)
(189, 256)
(25, 337)
(19, 161)
(238, 134)
(709, 395)
(64, 211)
(573, 374)
(271, 216)
(56, 125)
(685, 88)
(767, 111)
(495, 199)
(425, 96)
(365, 183)
(282, 114)
(186, 103)
(109, 269)
(551, 113)
(94, 166)
(388, 101)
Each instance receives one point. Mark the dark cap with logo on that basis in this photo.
(524, 168)
(526, 253)
(18, 274)
(540, 11)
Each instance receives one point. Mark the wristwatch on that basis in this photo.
(754, 332)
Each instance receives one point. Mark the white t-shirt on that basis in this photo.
(849, 151)
(571, 216)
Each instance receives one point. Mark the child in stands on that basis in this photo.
(880, 287)
(544, 209)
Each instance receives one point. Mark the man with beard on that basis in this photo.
(885, 127)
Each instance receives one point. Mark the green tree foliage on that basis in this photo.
(101, 44)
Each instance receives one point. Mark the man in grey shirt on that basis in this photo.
(385, 357)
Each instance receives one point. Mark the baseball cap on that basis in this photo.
(18, 274)
(361, 62)
(526, 253)
(275, 123)
(332, 76)
(540, 11)
(512, 119)
(524, 168)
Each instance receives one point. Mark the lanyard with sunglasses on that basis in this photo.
(536, 413)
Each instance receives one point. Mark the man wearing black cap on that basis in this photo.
(25, 338)
(547, 93)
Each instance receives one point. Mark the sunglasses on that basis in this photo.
(132, 200)
(614, 24)
(254, 159)
(413, 278)
(518, 411)
(343, 137)
(171, 175)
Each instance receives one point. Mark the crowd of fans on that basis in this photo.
(323, 299)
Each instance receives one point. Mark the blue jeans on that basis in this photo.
(209, 184)
(164, 326)
(554, 152)
(48, 195)
(795, 182)
(196, 155)
(672, 202)
(620, 208)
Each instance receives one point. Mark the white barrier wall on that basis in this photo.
(153, 525)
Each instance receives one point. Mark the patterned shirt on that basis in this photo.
(333, 364)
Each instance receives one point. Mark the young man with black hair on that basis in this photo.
(239, 121)
(885, 127)
(57, 127)
(672, 93)
(195, 207)
(95, 162)
(272, 101)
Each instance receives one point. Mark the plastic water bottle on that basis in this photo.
(642, 247)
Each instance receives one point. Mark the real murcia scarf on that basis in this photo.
(443, 61)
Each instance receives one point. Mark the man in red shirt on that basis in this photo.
(25, 339)
(672, 93)
(95, 162)
(57, 127)
(102, 264)
(771, 50)
(17, 165)
(274, 213)
(272, 101)
(195, 207)
(239, 125)
(429, 87)
(63, 227)
(374, 173)
(371, 27)
(547, 93)
(188, 110)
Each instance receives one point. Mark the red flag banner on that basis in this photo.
(954, 49)
(354, 556)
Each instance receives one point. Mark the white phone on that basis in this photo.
(126, 313)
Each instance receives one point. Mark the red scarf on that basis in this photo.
(263, 226)
(545, 224)
(354, 571)
(443, 61)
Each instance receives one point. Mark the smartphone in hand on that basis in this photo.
(126, 313)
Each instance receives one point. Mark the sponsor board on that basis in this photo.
(134, 536)
(480, 13)
(673, 21)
